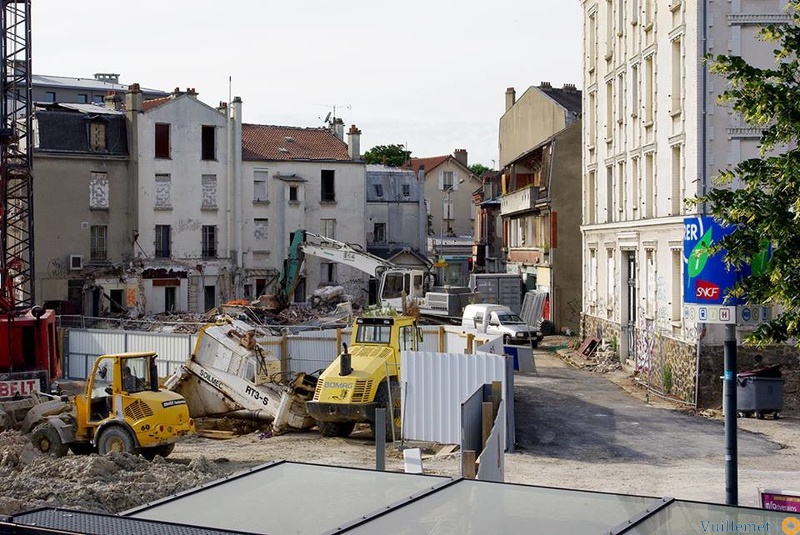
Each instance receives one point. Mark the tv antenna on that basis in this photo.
(331, 116)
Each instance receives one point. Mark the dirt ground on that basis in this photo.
(119, 482)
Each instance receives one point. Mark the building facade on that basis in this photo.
(655, 136)
(300, 178)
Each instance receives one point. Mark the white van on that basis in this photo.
(499, 319)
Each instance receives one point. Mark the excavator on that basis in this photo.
(398, 286)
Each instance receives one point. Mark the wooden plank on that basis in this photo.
(215, 433)
(487, 421)
(469, 467)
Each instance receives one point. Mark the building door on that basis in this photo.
(209, 297)
(627, 346)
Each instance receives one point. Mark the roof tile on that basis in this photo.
(267, 142)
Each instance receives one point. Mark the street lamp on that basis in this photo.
(446, 196)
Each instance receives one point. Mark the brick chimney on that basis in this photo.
(111, 100)
(354, 143)
(134, 98)
(545, 85)
(570, 87)
(511, 98)
(461, 156)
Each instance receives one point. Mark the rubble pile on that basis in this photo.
(106, 484)
(604, 360)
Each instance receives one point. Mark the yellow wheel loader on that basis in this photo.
(122, 409)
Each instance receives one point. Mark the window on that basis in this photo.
(97, 136)
(406, 190)
(99, 245)
(591, 281)
(209, 147)
(649, 185)
(677, 77)
(379, 233)
(650, 288)
(163, 193)
(163, 241)
(677, 284)
(591, 198)
(83, 98)
(621, 187)
(327, 273)
(209, 241)
(50, 96)
(609, 29)
(209, 191)
(635, 184)
(379, 190)
(162, 140)
(609, 193)
(611, 279)
(98, 191)
(293, 194)
(328, 191)
(609, 111)
(447, 180)
(97, 99)
(260, 185)
(649, 90)
(635, 91)
(260, 227)
(677, 180)
(592, 127)
(327, 228)
(592, 44)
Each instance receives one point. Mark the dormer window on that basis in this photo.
(378, 190)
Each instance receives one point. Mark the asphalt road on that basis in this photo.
(568, 413)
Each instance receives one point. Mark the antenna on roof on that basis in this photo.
(331, 117)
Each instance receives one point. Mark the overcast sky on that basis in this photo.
(431, 75)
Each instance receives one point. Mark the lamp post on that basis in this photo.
(446, 197)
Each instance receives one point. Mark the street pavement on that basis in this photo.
(569, 413)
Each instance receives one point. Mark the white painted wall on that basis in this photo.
(306, 213)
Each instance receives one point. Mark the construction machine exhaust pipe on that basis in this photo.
(345, 367)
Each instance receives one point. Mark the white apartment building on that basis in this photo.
(655, 136)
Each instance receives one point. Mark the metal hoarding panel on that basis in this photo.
(310, 354)
(435, 385)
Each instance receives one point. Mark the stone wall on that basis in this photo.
(711, 369)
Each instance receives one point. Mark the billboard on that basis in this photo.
(707, 281)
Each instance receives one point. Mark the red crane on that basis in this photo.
(28, 356)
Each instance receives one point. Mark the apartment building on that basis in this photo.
(654, 136)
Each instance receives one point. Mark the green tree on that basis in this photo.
(478, 169)
(766, 205)
(391, 155)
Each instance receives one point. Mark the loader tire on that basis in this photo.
(82, 448)
(335, 429)
(46, 439)
(164, 451)
(392, 416)
(116, 439)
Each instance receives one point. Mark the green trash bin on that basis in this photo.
(759, 392)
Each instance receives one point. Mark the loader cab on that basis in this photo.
(115, 375)
(400, 333)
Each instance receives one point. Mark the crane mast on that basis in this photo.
(16, 155)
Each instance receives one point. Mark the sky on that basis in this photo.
(428, 75)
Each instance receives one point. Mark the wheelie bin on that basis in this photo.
(759, 392)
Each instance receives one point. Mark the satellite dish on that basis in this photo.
(328, 117)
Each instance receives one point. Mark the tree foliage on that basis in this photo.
(478, 169)
(390, 155)
(760, 196)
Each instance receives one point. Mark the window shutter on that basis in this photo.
(455, 180)
(441, 180)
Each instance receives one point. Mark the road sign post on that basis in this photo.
(707, 282)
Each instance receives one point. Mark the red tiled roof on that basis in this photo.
(266, 142)
(430, 163)
(154, 103)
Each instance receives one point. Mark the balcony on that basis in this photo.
(523, 200)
